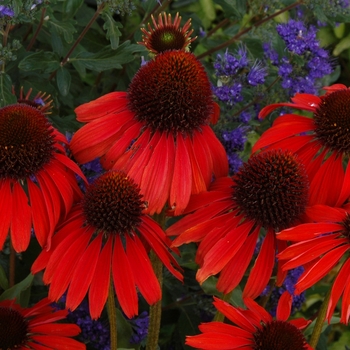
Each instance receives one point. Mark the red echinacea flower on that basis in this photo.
(319, 246)
(252, 329)
(320, 141)
(158, 132)
(106, 235)
(269, 191)
(167, 35)
(37, 179)
(36, 328)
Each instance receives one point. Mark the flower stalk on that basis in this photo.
(112, 316)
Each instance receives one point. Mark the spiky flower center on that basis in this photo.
(26, 141)
(167, 38)
(172, 93)
(272, 189)
(279, 335)
(112, 204)
(13, 329)
(332, 120)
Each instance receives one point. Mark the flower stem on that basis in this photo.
(219, 317)
(12, 266)
(112, 316)
(32, 41)
(80, 37)
(320, 320)
(155, 311)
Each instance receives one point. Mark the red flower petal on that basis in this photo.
(123, 278)
(98, 291)
(261, 272)
(21, 221)
(6, 210)
(284, 307)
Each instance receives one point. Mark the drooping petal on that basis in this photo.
(5, 209)
(21, 220)
(140, 264)
(124, 282)
(261, 272)
(223, 251)
(98, 291)
(232, 274)
(39, 214)
(181, 185)
(338, 288)
(215, 341)
(83, 273)
(320, 269)
(284, 307)
(156, 177)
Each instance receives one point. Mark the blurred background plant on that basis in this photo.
(255, 53)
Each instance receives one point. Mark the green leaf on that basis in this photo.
(112, 28)
(70, 7)
(124, 331)
(343, 44)
(107, 58)
(66, 28)
(46, 62)
(6, 96)
(4, 283)
(18, 290)
(63, 81)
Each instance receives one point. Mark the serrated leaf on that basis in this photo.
(63, 27)
(6, 96)
(46, 62)
(18, 289)
(112, 28)
(108, 58)
(4, 283)
(63, 81)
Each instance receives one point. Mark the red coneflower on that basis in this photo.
(158, 132)
(320, 141)
(269, 191)
(252, 329)
(106, 234)
(167, 35)
(320, 246)
(37, 179)
(36, 327)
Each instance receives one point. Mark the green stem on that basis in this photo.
(219, 317)
(80, 37)
(32, 41)
(238, 35)
(112, 316)
(320, 320)
(12, 266)
(155, 311)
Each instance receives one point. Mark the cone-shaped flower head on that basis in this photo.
(270, 191)
(158, 132)
(37, 179)
(167, 35)
(106, 235)
(35, 327)
(252, 329)
(321, 142)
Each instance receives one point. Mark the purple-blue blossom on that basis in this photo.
(6, 11)
(139, 325)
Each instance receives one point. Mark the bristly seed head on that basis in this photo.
(272, 189)
(332, 121)
(13, 329)
(279, 335)
(112, 204)
(26, 141)
(172, 93)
